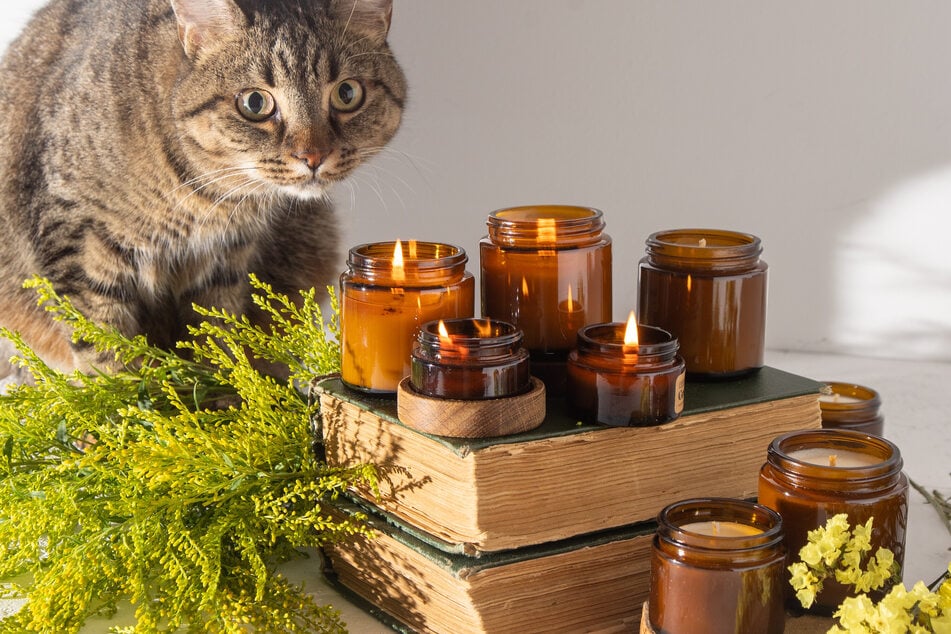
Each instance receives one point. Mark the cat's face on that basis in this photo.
(284, 96)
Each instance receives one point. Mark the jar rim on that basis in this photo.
(672, 517)
(869, 398)
(609, 337)
(705, 245)
(500, 333)
(890, 463)
(375, 255)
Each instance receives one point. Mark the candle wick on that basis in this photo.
(833, 459)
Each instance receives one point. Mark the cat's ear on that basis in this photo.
(204, 22)
(370, 18)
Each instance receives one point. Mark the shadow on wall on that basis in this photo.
(892, 273)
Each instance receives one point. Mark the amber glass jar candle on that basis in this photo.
(616, 378)
(810, 476)
(717, 567)
(850, 406)
(470, 359)
(547, 270)
(707, 288)
(388, 292)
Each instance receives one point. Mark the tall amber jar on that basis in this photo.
(851, 406)
(856, 474)
(717, 568)
(383, 305)
(707, 287)
(547, 270)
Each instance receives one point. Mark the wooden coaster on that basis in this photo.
(471, 419)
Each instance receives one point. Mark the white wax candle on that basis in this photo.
(835, 397)
(721, 529)
(832, 457)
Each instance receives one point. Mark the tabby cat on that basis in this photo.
(157, 151)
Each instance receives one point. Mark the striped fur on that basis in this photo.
(130, 178)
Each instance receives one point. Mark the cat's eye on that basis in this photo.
(256, 105)
(347, 95)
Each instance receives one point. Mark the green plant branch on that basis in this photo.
(134, 485)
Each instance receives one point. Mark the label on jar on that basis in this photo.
(679, 404)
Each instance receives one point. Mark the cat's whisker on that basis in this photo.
(208, 175)
(235, 172)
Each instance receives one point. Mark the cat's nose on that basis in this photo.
(313, 158)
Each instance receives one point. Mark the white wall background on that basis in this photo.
(822, 127)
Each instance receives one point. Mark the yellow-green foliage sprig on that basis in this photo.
(176, 483)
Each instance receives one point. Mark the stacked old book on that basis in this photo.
(547, 530)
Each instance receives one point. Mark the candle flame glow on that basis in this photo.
(412, 249)
(630, 332)
(443, 333)
(483, 328)
(524, 287)
(689, 282)
(399, 273)
(546, 230)
(571, 304)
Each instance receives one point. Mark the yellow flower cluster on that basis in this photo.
(835, 550)
(915, 611)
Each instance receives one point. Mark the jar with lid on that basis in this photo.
(707, 287)
(546, 269)
(717, 567)
(850, 406)
(811, 476)
(387, 293)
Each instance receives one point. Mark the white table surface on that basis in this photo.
(916, 419)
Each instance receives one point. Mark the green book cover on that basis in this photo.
(767, 384)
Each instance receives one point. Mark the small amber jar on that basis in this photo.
(470, 359)
(622, 385)
(717, 567)
(387, 293)
(850, 406)
(707, 287)
(547, 270)
(810, 476)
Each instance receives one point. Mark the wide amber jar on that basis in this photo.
(470, 359)
(612, 383)
(810, 476)
(547, 270)
(850, 406)
(717, 567)
(707, 287)
(385, 299)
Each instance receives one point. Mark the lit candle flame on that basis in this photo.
(689, 282)
(546, 231)
(399, 274)
(524, 287)
(630, 332)
(443, 332)
(571, 304)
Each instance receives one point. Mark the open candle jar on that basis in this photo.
(386, 295)
(717, 567)
(470, 359)
(810, 476)
(547, 270)
(625, 375)
(849, 406)
(708, 289)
